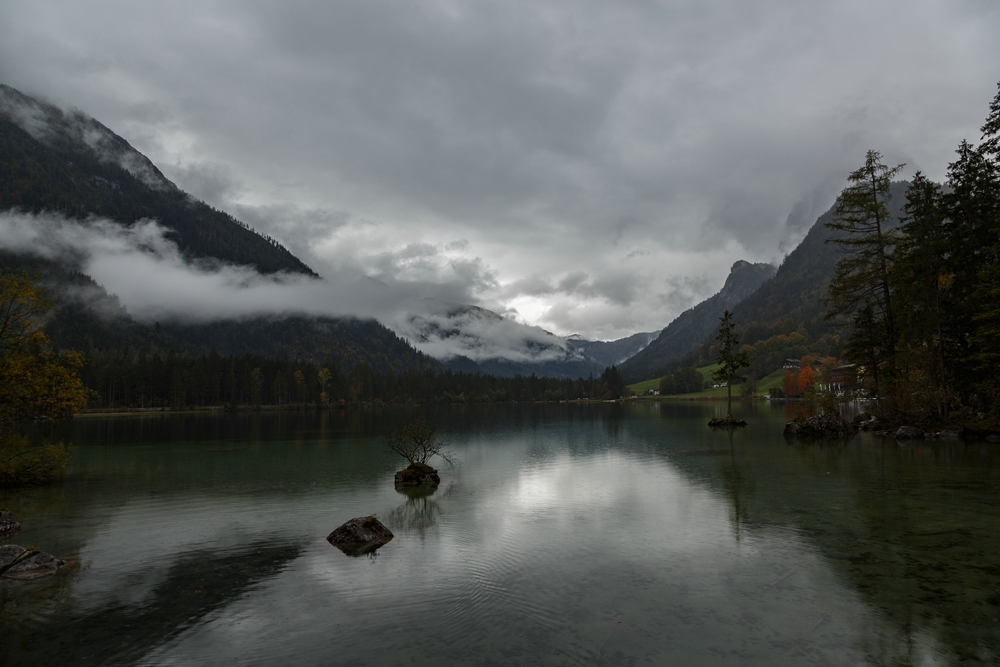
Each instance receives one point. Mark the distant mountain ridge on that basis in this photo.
(613, 352)
(472, 339)
(692, 326)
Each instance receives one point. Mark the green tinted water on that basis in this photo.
(569, 534)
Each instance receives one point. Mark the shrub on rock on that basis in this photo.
(417, 474)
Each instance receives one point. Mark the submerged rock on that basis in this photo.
(7, 523)
(418, 474)
(18, 563)
(908, 433)
(866, 421)
(361, 535)
(826, 425)
(726, 422)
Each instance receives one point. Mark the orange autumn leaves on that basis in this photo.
(37, 384)
(799, 382)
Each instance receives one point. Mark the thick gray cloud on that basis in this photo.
(149, 276)
(593, 166)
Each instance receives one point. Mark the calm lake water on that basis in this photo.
(569, 534)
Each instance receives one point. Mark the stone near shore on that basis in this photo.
(908, 433)
(418, 474)
(361, 535)
(826, 425)
(18, 563)
(7, 523)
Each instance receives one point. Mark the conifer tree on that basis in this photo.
(860, 287)
(730, 359)
(922, 282)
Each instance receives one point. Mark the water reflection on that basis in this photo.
(196, 583)
(571, 534)
(420, 511)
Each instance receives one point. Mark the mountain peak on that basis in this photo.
(743, 279)
(75, 130)
(694, 325)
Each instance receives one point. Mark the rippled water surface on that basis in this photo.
(568, 534)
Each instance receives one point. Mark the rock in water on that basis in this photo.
(7, 523)
(360, 535)
(17, 563)
(826, 425)
(908, 433)
(418, 474)
(726, 422)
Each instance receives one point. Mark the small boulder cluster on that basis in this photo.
(826, 425)
(16, 562)
(832, 425)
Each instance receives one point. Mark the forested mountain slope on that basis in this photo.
(87, 319)
(692, 326)
(784, 318)
(613, 352)
(69, 163)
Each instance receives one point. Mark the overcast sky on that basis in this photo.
(592, 167)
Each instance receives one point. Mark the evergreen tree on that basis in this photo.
(971, 208)
(730, 359)
(860, 287)
(922, 283)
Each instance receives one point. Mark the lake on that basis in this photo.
(567, 534)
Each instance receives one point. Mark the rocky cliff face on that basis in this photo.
(744, 279)
(695, 325)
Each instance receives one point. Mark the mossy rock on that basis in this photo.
(418, 474)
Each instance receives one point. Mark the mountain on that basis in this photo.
(69, 163)
(613, 352)
(784, 318)
(694, 325)
(471, 339)
(86, 318)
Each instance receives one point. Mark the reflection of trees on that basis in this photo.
(198, 583)
(737, 486)
(911, 529)
(419, 512)
(614, 420)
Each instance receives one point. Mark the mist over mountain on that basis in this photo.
(785, 317)
(92, 214)
(68, 163)
(692, 326)
(613, 352)
(476, 340)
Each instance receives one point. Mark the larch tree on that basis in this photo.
(860, 288)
